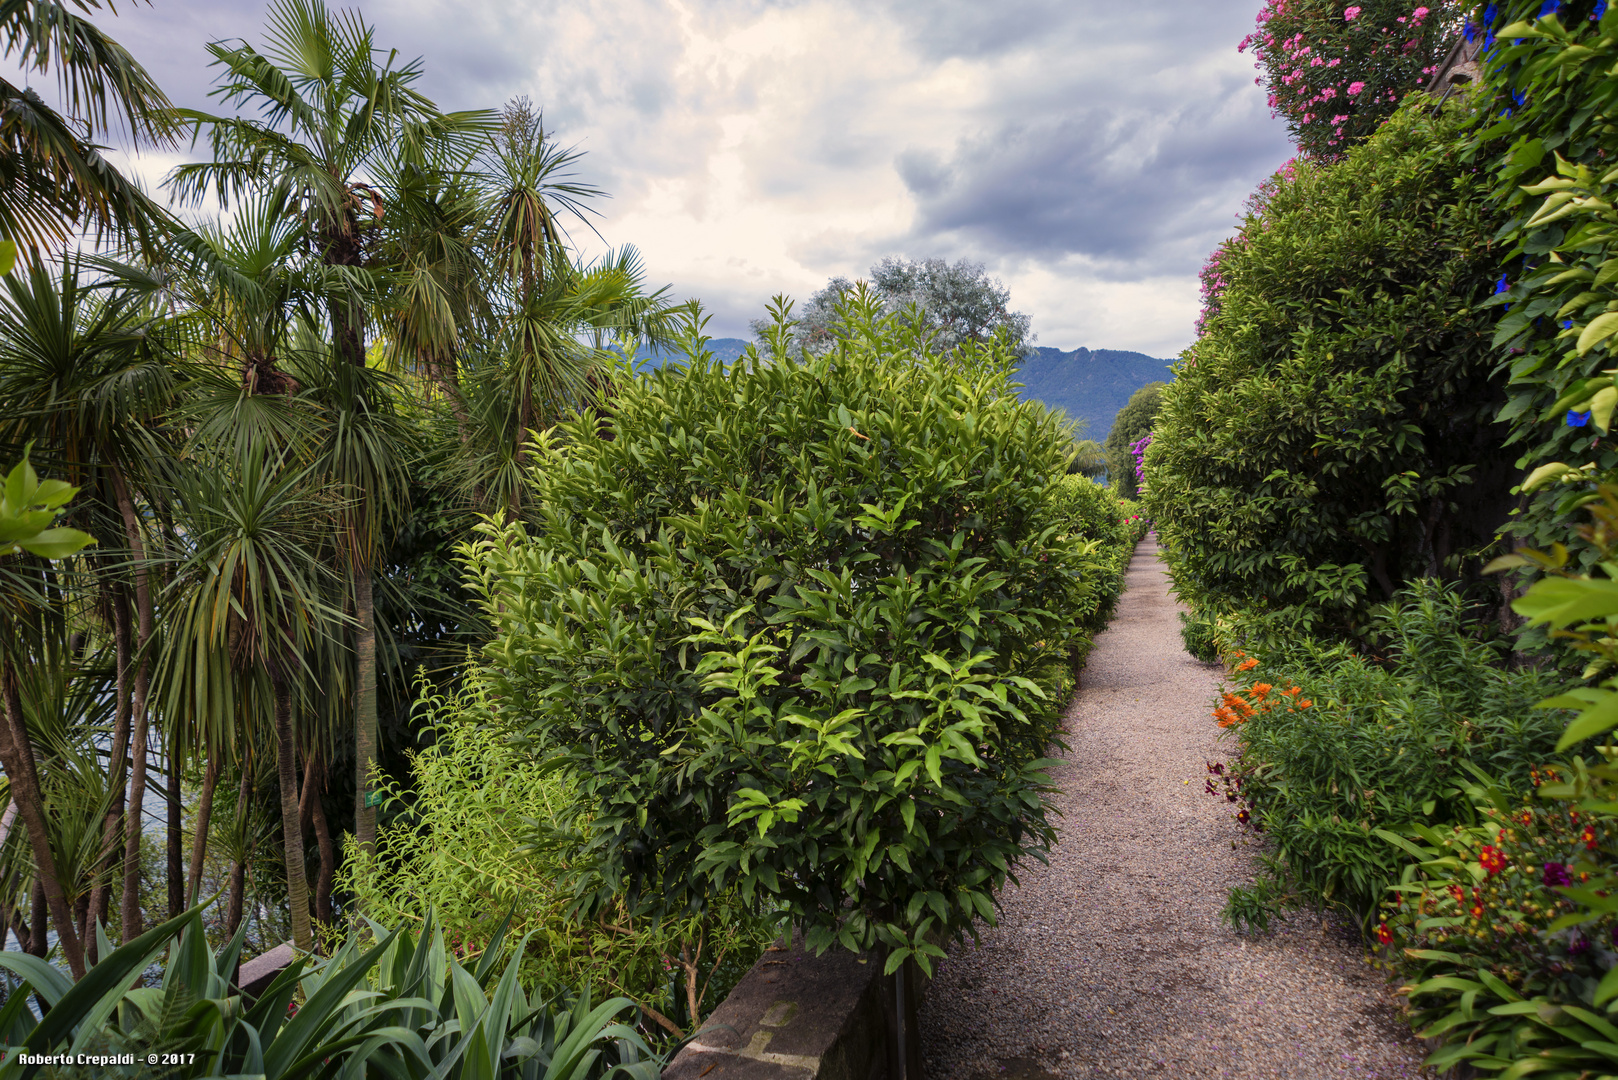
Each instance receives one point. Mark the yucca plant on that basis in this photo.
(385, 1003)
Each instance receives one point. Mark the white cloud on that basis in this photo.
(1090, 156)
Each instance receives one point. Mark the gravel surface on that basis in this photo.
(1112, 961)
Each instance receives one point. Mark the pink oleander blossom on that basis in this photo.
(1370, 53)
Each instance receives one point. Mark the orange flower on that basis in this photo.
(1250, 662)
(1261, 690)
(1305, 703)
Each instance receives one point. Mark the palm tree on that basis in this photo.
(53, 179)
(330, 113)
(30, 613)
(249, 599)
(84, 374)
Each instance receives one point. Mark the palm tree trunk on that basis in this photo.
(39, 918)
(17, 755)
(117, 759)
(291, 830)
(199, 838)
(238, 868)
(328, 853)
(364, 712)
(176, 831)
(130, 908)
(441, 371)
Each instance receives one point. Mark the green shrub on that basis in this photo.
(1133, 422)
(463, 852)
(1334, 745)
(1090, 511)
(1331, 435)
(795, 626)
(1199, 637)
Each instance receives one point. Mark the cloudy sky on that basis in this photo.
(1089, 153)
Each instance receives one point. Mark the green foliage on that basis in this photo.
(401, 1006)
(459, 850)
(1557, 296)
(795, 627)
(1331, 435)
(1335, 745)
(1092, 512)
(1249, 909)
(1199, 637)
(28, 506)
(1505, 928)
(1133, 423)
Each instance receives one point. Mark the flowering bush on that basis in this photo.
(1333, 745)
(1336, 72)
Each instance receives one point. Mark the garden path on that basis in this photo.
(1112, 960)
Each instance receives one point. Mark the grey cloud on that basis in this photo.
(1133, 188)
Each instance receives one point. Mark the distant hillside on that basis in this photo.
(1091, 384)
(726, 350)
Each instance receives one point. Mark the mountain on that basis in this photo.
(727, 350)
(1091, 384)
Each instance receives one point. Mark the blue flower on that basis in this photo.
(1577, 419)
(1502, 285)
(1601, 9)
(1470, 31)
(1489, 14)
(1548, 7)
(1567, 324)
(1519, 97)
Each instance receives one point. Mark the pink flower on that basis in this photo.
(1354, 88)
(1419, 14)
(1351, 14)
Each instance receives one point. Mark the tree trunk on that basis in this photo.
(441, 372)
(238, 869)
(130, 908)
(117, 760)
(328, 853)
(341, 246)
(291, 832)
(199, 837)
(176, 832)
(17, 755)
(39, 918)
(364, 712)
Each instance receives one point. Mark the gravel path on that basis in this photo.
(1112, 961)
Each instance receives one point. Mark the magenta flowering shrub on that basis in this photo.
(1336, 71)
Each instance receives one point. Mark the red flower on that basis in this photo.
(1492, 859)
(1243, 816)
(1589, 837)
(1383, 934)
